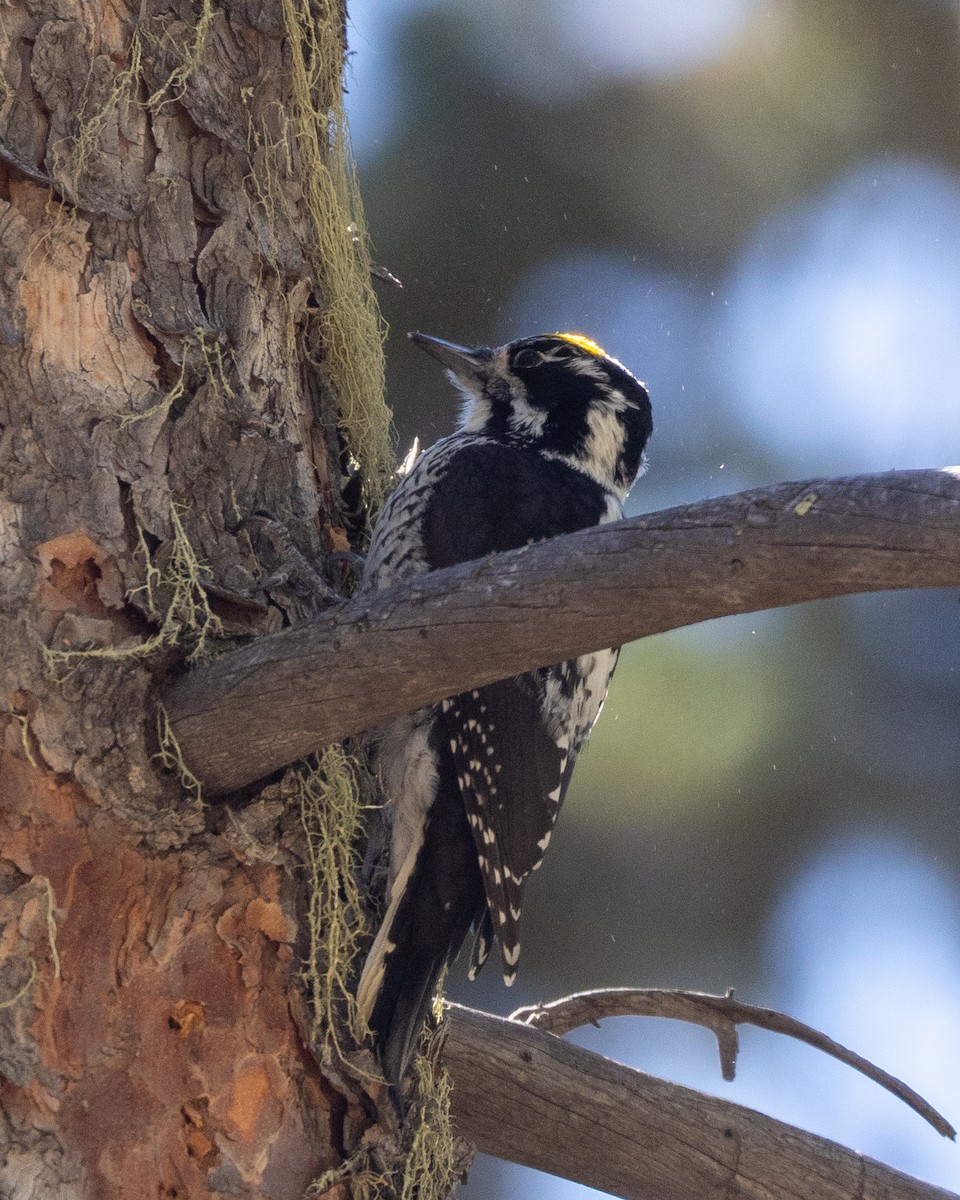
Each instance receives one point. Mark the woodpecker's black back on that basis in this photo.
(553, 436)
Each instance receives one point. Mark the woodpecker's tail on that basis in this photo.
(401, 1009)
(435, 896)
(398, 980)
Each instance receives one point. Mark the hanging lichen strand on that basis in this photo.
(349, 332)
(329, 790)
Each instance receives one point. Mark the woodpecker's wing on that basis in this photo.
(482, 943)
(490, 496)
(510, 773)
(512, 764)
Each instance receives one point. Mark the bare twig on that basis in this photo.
(722, 1015)
(387, 653)
(535, 1099)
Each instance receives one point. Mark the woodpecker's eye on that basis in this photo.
(525, 359)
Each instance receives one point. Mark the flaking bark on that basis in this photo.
(164, 311)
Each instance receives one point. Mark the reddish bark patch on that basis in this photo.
(79, 575)
(166, 1043)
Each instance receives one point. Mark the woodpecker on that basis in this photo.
(552, 436)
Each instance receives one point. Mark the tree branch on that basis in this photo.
(721, 1015)
(531, 1098)
(386, 653)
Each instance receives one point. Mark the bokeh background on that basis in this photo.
(755, 204)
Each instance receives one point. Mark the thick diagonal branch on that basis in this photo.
(532, 1098)
(387, 653)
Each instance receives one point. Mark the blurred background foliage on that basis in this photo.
(755, 204)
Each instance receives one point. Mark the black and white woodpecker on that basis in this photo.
(551, 439)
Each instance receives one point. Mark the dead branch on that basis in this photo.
(387, 653)
(721, 1015)
(532, 1098)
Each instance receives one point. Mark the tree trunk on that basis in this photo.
(191, 433)
(190, 353)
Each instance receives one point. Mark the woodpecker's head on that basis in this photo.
(560, 393)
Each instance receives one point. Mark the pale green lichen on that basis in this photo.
(175, 84)
(431, 1170)
(14, 1000)
(349, 331)
(358, 1174)
(175, 600)
(172, 758)
(24, 722)
(52, 926)
(330, 794)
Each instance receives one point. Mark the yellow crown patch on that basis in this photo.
(584, 343)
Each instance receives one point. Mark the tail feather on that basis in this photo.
(385, 943)
(397, 983)
(401, 1010)
(435, 896)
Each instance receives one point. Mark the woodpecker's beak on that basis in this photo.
(466, 365)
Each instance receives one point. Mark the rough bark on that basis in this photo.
(162, 317)
(382, 655)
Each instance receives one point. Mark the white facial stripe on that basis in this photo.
(613, 400)
(604, 443)
(591, 367)
(525, 419)
(475, 409)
